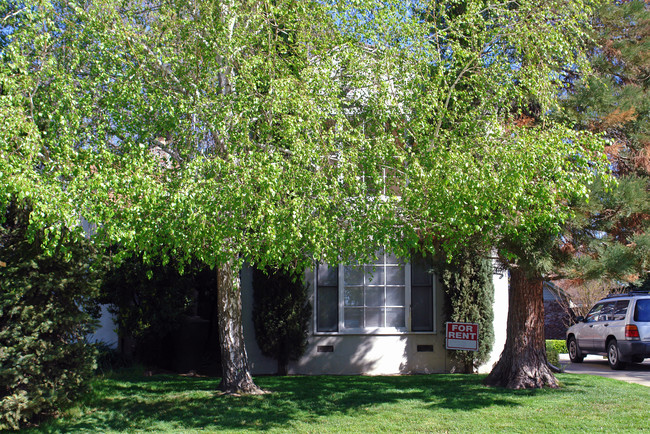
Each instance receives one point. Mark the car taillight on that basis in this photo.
(631, 331)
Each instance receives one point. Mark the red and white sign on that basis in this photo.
(462, 336)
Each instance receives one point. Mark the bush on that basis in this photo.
(109, 359)
(151, 301)
(45, 305)
(281, 315)
(555, 347)
(469, 294)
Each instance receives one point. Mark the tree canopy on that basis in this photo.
(283, 131)
(609, 233)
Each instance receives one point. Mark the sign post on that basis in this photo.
(462, 336)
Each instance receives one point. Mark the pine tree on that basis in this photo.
(614, 100)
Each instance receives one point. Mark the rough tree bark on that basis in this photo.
(236, 377)
(523, 362)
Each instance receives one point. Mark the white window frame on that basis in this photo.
(342, 330)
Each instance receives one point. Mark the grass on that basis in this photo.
(126, 402)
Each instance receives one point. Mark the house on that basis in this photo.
(558, 313)
(381, 318)
(376, 319)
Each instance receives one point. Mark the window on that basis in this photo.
(595, 312)
(388, 296)
(608, 311)
(642, 310)
(620, 310)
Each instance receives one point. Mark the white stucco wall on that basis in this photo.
(370, 354)
(500, 320)
(259, 364)
(353, 354)
(106, 332)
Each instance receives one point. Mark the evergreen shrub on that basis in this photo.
(46, 307)
(469, 295)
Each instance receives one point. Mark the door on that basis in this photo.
(590, 329)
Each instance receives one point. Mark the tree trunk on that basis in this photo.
(236, 377)
(523, 362)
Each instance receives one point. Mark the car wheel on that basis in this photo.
(575, 355)
(614, 356)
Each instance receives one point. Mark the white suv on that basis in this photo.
(617, 326)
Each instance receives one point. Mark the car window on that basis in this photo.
(606, 313)
(619, 311)
(594, 313)
(642, 310)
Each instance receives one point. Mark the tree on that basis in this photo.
(265, 131)
(281, 313)
(486, 168)
(605, 242)
(212, 131)
(614, 101)
(47, 284)
(599, 229)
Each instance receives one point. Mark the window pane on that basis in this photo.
(620, 309)
(328, 309)
(392, 259)
(353, 296)
(594, 312)
(374, 317)
(422, 308)
(420, 274)
(328, 276)
(395, 296)
(606, 312)
(642, 310)
(375, 296)
(353, 317)
(380, 258)
(353, 275)
(395, 275)
(395, 317)
(375, 275)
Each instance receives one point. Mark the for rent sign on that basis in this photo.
(462, 336)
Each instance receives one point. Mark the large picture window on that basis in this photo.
(387, 296)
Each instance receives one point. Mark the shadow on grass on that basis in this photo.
(144, 403)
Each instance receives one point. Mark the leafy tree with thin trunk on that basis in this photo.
(212, 131)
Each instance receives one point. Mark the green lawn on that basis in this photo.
(434, 403)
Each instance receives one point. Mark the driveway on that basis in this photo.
(597, 365)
